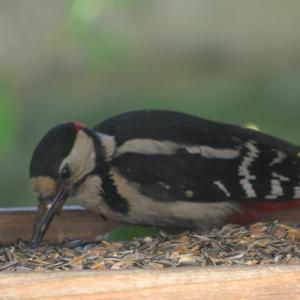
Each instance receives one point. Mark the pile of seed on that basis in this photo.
(260, 243)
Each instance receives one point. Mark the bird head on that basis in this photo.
(60, 163)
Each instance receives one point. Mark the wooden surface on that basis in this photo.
(77, 223)
(257, 283)
(73, 223)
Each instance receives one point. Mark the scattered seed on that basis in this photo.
(8, 265)
(259, 243)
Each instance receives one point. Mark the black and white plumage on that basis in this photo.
(163, 168)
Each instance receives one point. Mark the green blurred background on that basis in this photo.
(61, 60)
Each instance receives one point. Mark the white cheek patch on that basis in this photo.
(81, 160)
(89, 197)
(88, 193)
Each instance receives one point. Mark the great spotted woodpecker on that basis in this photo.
(163, 168)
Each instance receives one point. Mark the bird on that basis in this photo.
(165, 169)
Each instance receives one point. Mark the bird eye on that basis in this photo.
(65, 173)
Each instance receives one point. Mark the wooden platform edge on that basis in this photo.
(73, 223)
(259, 283)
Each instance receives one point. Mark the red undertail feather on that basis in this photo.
(255, 211)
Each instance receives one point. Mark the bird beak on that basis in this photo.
(47, 208)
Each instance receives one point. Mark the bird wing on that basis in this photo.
(172, 156)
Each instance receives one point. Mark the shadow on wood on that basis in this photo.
(73, 223)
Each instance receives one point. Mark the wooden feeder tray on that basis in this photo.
(208, 278)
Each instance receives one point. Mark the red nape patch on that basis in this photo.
(78, 125)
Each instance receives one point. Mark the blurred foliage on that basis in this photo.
(89, 10)
(7, 121)
(129, 232)
(87, 60)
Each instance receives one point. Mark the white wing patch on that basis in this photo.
(150, 147)
(109, 144)
(297, 192)
(222, 187)
(276, 187)
(146, 210)
(280, 177)
(210, 152)
(244, 172)
(281, 156)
